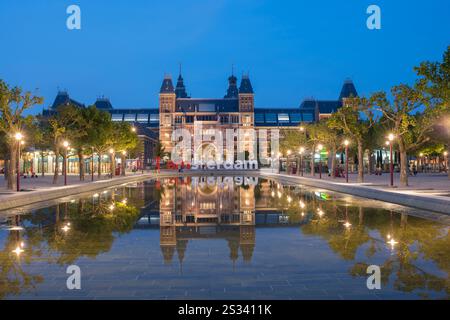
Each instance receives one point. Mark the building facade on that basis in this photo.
(236, 110)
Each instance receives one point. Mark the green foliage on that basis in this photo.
(122, 137)
(160, 150)
(292, 139)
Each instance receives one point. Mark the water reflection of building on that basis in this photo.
(205, 208)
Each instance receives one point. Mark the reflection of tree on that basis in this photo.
(94, 224)
(418, 239)
(13, 278)
(92, 229)
(342, 240)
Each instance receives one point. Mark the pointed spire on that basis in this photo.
(167, 85)
(180, 90)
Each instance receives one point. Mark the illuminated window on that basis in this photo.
(117, 117)
(130, 117)
(154, 117)
(142, 118)
(283, 117)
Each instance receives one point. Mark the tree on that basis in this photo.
(436, 86)
(124, 139)
(313, 136)
(160, 150)
(410, 127)
(349, 119)
(291, 139)
(64, 124)
(13, 103)
(332, 138)
(99, 130)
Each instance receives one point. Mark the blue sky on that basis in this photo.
(291, 49)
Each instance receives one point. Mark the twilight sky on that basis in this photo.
(291, 49)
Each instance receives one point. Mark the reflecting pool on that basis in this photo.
(222, 238)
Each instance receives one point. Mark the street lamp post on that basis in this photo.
(66, 146)
(288, 169)
(18, 136)
(92, 165)
(319, 148)
(346, 143)
(445, 160)
(391, 160)
(302, 149)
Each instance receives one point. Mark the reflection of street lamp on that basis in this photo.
(66, 147)
(18, 250)
(18, 136)
(391, 242)
(391, 164)
(320, 213)
(302, 150)
(319, 149)
(346, 143)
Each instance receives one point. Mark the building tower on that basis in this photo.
(232, 91)
(247, 115)
(180, 90)
(167, 99)
(348, 90)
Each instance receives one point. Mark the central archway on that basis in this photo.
(206, 152)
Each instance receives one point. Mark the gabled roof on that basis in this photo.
(207, 105)
(167, 85)
(323, 106)
(62, 98)
(246, 85)
(329, 106)
(348, 90)
(103, 104)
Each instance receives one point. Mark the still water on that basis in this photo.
(222, 238)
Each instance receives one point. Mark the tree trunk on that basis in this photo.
(313, 173)
(56, 173)
(403, 164)
(360, 162)
(333, 163)
(123, 159)
(99, 171)
(81, 165)
(361, 216)
(11, 179)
